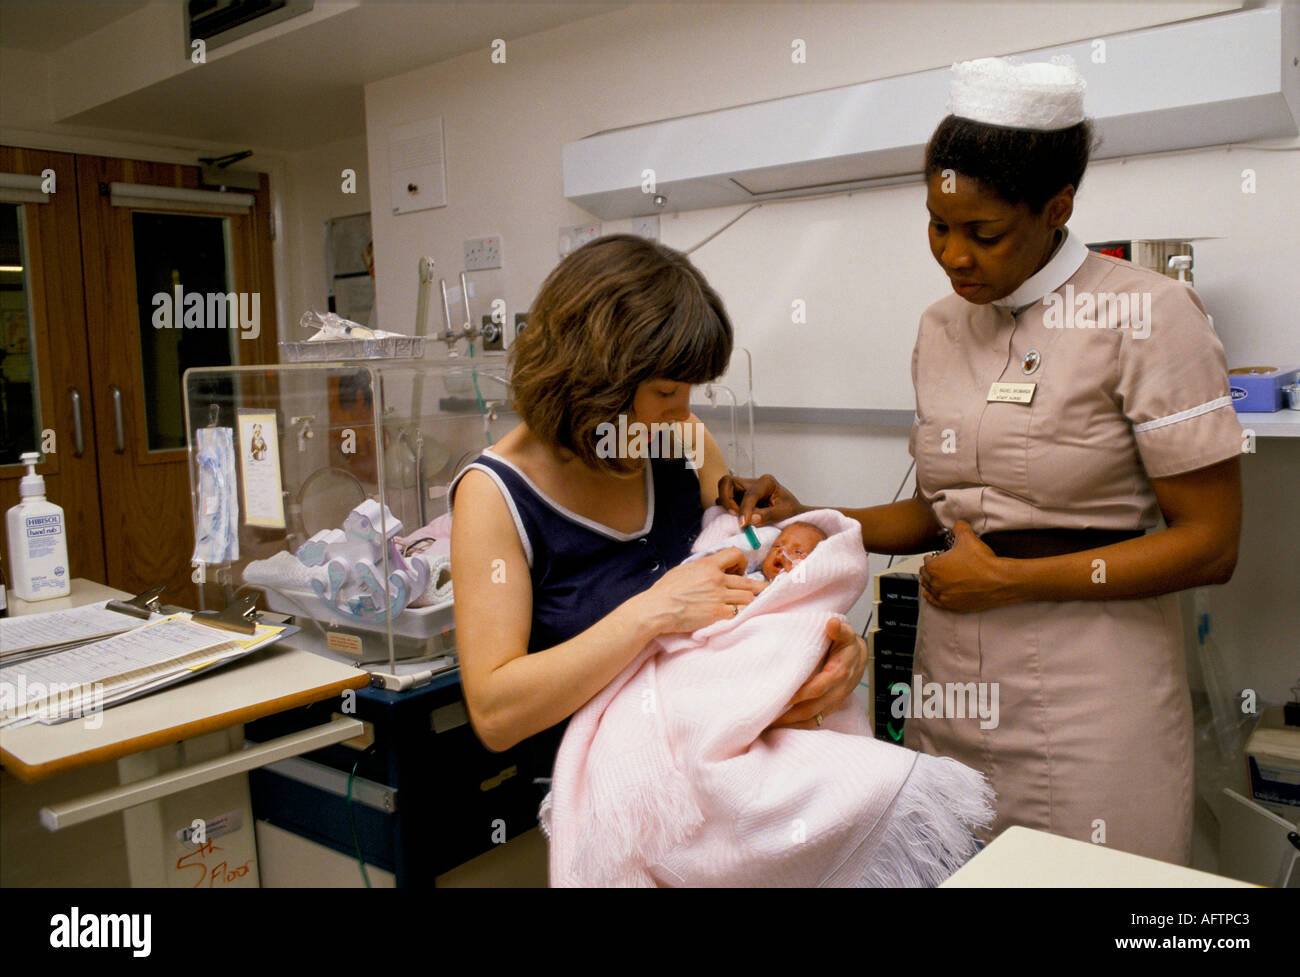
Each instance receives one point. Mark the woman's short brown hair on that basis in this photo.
(617, 312)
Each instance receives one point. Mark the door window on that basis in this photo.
(186, 313)
(20, 421)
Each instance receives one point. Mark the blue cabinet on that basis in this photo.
(427, 795)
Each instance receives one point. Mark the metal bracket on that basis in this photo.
(141, 605)
(240, 616)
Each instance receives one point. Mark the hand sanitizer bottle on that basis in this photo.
(38, 541)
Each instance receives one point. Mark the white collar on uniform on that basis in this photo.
(1060, 268)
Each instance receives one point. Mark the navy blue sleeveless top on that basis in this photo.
(582, 570)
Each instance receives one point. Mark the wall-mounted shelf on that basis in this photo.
(1209, 81)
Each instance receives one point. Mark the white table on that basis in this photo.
(1027, 858)
(179, 755)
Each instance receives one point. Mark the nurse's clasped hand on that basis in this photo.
(695, 595)
(968, 577)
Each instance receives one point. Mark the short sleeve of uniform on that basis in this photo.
(1173, 385)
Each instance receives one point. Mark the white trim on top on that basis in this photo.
(1060, 268)
(1183, 415)
(581, 520)
(510, 502)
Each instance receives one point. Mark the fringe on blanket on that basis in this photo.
(932, 824)
(544, 816)
(646, 824)
(929, 835)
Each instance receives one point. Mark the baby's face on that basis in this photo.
(791, 548)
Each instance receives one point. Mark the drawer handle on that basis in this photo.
(114, 799)
(120, 445)
(77, 441)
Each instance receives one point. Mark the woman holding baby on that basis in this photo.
(564, 561)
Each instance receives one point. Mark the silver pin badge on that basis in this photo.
(1031, 361)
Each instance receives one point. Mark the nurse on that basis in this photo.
(1065, 401)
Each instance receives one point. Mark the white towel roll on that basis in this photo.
(281, 570)
(438, 590)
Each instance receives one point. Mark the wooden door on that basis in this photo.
(134, 257)
(49, 367)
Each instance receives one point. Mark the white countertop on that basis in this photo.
(1026, 858)
(265, 682)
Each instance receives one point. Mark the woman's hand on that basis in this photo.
(741, 496)
(696, 594)
(969, 577)
(832, 684)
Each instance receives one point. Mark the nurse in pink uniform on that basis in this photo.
(1065, 401)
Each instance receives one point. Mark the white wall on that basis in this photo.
(858, 261)
(315, 194)
(505, 125)
(861, 264)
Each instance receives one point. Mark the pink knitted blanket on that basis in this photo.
(670, 775)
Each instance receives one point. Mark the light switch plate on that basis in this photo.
(482, 253)
(576, 235)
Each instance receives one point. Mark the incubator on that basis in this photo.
(323, 487)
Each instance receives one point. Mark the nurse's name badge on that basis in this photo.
(1011, 393)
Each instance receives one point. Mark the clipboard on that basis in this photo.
(191, 672)
(131, 664)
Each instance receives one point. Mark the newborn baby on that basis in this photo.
(791, 548)
(778, 550)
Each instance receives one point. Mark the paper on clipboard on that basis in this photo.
(84, 680)
(34, 632)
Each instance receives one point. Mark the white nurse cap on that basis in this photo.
(1020, 96)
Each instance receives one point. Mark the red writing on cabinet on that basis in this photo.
(211, 875)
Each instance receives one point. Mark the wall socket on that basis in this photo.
(575, 236)
(482, 253)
